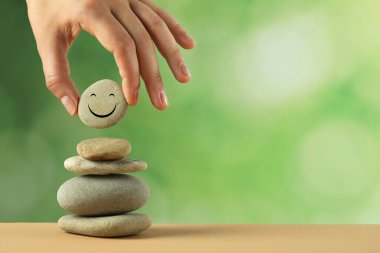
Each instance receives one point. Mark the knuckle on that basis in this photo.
(178, 27)
(125, 45)
(135, 75)
(119, 2)
(171, 52)
(175, 53)
(90, 5)
(179, 30)
(159, 11)
(54, 81)
(145, 40)
(156, 77)
(88, 9)
(157, 22)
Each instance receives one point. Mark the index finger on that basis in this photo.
(112, 35)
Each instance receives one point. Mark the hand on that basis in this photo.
(127, 28)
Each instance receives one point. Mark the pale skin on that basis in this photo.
(130, 29)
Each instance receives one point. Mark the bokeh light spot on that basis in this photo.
(284, 60)
(339, 159)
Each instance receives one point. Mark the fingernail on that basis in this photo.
(164, 98)
(69, 104)
(185, 70)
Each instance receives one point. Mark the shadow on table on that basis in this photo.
(176, 231)
(167, 232)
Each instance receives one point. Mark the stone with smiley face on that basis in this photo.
(102, 104)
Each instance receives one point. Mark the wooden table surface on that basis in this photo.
(47, 237)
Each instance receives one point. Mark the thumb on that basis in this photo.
(57, 73)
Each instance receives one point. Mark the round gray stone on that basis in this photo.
(104, 148)
(78, 164)
(102, 104)
(92, 195)
(106, 226)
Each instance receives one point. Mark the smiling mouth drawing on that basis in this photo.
(101, 115)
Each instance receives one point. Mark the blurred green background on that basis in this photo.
(280, 123)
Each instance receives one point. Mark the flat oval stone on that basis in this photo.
(78, 164)
(91, 195)
(106, 226)
(102, 104)
(104, 148)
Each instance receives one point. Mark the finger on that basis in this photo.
(164, 40)
(149, 68)
(179, 33)
(57, 72)
(116, 39)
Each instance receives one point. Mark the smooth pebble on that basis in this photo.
(104, 148)
(78, 164)
(102, 104)
(92, 195)
(106, 226)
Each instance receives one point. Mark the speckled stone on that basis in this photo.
(102, 104)
(78, 164)
(106, 226)
(92, 195)
(104, 148)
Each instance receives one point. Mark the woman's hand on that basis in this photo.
(127, 28)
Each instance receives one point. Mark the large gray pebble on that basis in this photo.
(102, 104)
(78, 164)
(92, 195)
(104, 148)
(106, 226)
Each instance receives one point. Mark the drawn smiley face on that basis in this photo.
(102, 104)
(102, 115)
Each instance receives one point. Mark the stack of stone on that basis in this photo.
(102, 198)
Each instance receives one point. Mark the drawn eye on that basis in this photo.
(112, 94)
(93, 95)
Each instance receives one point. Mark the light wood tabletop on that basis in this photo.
(47, 237)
